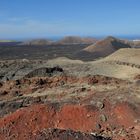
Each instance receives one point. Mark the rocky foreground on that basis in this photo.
(48, 103)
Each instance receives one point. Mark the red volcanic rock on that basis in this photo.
(137, 77)
(88, 111)
(98, 79)
(126, 115)
(28, 121)
(30, 85)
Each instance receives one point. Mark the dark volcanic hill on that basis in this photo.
(70, 40)
(76, 40)
(107, 45)
(38, 42)
(103, 48)
(6, 44)
(71, 47)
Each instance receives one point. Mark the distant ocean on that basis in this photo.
(128, 37)
(134, 37)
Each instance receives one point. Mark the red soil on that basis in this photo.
(27, 121)
(115, 120)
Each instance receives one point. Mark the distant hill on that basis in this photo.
(70, 40)
(37, 42)
(107, 45)
(76, 40)
(103, 48)
(4, 41)
(135, 44)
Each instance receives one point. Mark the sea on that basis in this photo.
(55, 38)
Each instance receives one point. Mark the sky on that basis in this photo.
(54, 18)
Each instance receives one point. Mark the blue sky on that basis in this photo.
(48, 18)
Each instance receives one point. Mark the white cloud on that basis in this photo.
(21, 27)
(17, 19)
